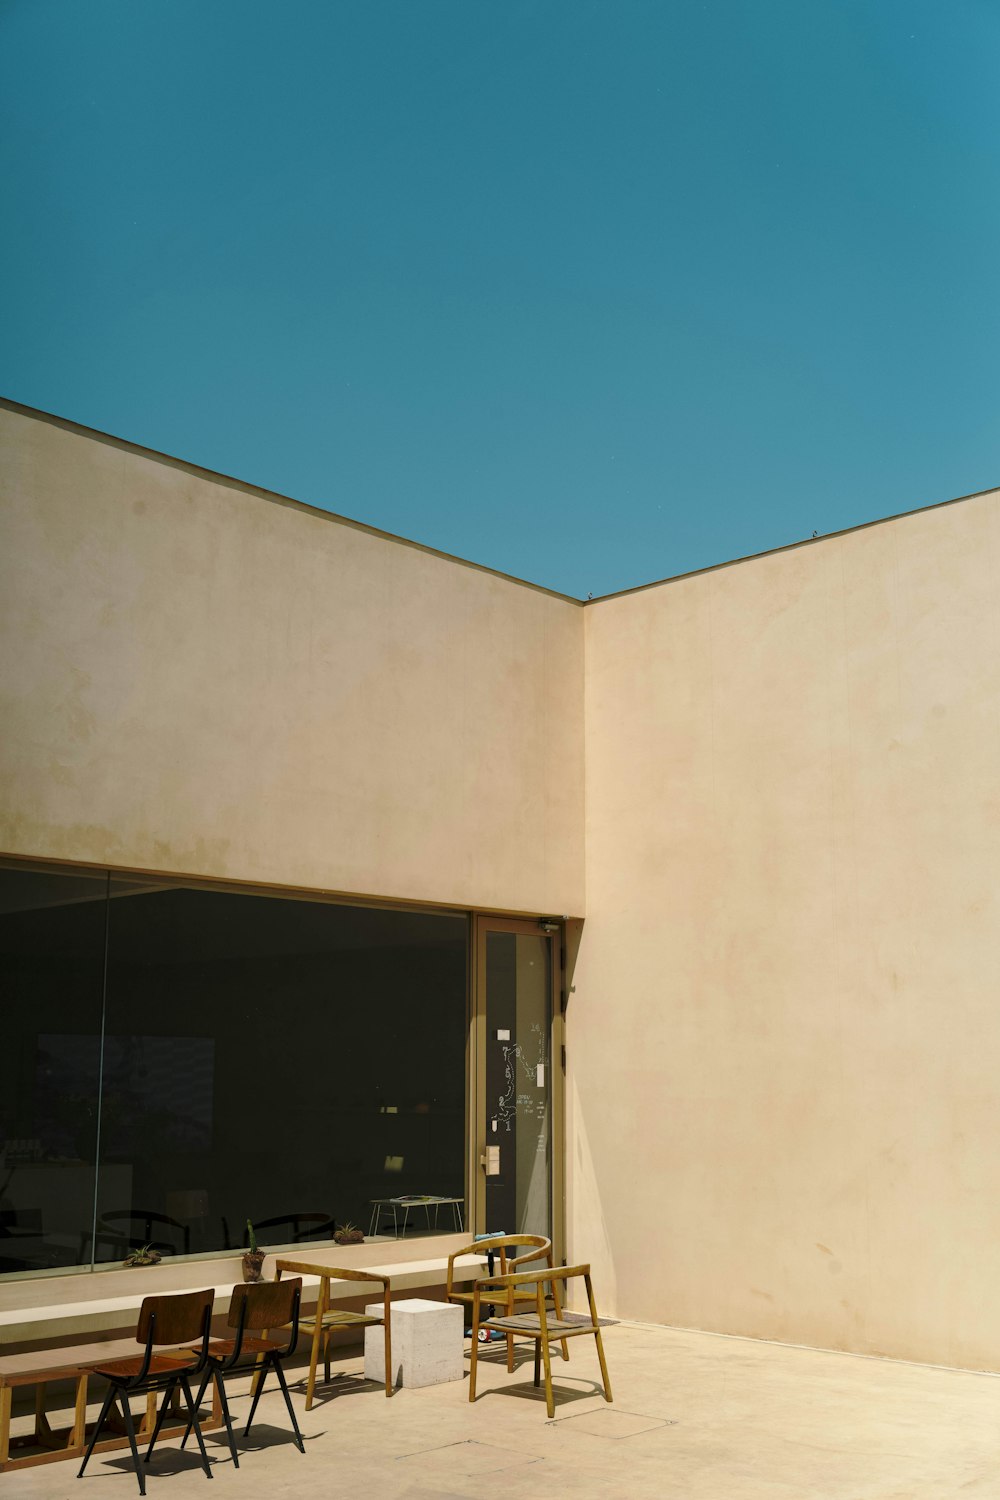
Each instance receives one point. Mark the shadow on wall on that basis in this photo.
(589, 1240)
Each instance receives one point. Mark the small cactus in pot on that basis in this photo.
(253, 1259)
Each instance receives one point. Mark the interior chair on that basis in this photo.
(263, 1305)
(538, 1325)
(124, 1229)
(184, 1318)
(299, 1227)
(326, 1320)
(500, 1261)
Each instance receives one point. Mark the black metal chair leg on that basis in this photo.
(130, 1429)
(258, 1392)
(197, 1402)
(109, 1398)
(186, 1388)
(288, 1402)
(223, 1402)
(164, 1405)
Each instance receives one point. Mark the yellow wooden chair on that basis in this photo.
(539, 1325)
(497, 1248)
(326, 1319)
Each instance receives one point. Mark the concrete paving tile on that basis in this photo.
(613, 1424)
(468, 1456)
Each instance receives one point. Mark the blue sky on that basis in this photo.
(593, 293)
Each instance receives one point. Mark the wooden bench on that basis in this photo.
(46, 1444)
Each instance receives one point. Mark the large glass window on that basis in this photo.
(226, 1057)
(52, 931)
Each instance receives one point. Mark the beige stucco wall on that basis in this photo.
(784, 1044)
(197, 678)
(784, 1091)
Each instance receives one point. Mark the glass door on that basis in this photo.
(518, 1166)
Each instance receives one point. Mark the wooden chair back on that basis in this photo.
(268, 1304)
(176, 1318)
(327, 1273)
(496, 1247)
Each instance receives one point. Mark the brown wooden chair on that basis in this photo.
(182, 1318)
(538, 1325)
(266, 1304)
(497, 1248)
(326, 1319)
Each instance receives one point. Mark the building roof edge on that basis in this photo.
(274, 496)
(809, 541)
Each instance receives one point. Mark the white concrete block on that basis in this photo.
(427, 1342)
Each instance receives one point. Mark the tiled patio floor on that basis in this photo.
(694, 1417)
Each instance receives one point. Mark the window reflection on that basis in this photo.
(275, 1060)
(51, 968)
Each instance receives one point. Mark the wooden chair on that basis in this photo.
(326, 1319)
(537, 1325)
(181, 1318)
(496, 1248)
(266, 1304)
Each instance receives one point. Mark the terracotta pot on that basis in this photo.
(253, 1260)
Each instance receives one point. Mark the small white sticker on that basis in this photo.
(503, 1036)
(540, 1075)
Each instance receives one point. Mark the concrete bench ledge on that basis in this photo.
(44, 1321)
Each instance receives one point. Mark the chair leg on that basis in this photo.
(538, 1361)
(197, 1403)
(550, 1405)
(130, 1429)
(472, 1364)
(168, 1396)
(258, 1392)
(604, 1367)
(109, 1398)
(288, 1402)
(258, 1369)
(223, 1402)
(313, 1357)
(597, 1335)
(388, 1357)
(186, 1388)
(557, 1305)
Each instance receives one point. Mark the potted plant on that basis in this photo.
(144, 1255)
(348, 1234)
(253, 1259)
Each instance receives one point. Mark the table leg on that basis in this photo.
(78, 1436)
(5, 1398)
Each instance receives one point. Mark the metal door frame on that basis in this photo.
(553, 930)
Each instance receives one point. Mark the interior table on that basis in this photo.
(400, 1210)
